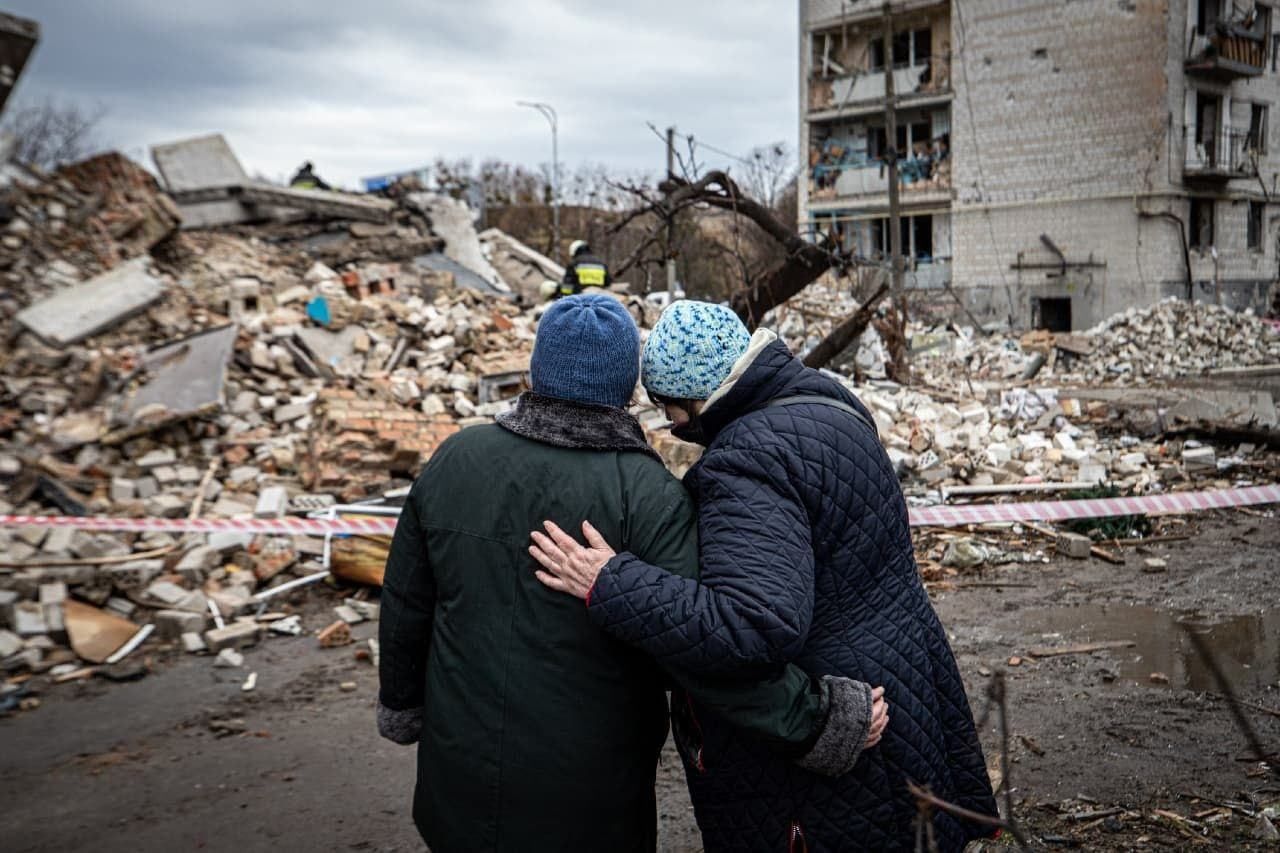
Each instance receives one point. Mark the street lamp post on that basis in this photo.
(549, 113)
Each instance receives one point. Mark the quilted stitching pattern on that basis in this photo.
(806, 557)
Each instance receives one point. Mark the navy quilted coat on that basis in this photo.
(806, 557)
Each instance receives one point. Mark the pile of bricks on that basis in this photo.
(355, 444)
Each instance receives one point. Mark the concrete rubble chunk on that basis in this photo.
(273, 502)
(1199, 457)
(348, 614)
(10, 644)
(367, 609)
(135, 574)
(166, 592)
(29, 619)
(174, 624)
(231, 601)
(88, 546)
(53, 593)
(158, 458)
(197, 561)
(167, 505)
(8, 597)
(193, 643)
(123, 490)
(1073, 545)
(235, 635)
(77, 312)
(229, 658)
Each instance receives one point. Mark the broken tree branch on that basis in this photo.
(804, 261)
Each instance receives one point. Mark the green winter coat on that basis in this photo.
(536, 730)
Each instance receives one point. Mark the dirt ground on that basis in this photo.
(184, 760)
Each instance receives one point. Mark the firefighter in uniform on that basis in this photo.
(584, 270)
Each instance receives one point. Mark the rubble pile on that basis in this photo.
(286, 363)
(1169, 340)
(1045, 412)
(1174, 338)
(252, 371)
(81, 221)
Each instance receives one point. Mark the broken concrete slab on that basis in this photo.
(329, 348)
(454, 221)
(83, 310)
(199, 163)
(187, 377)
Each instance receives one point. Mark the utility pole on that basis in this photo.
(891, 154)
(895, 214)
(549, 113)
(671, 173)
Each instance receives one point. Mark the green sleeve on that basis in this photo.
(784, 709)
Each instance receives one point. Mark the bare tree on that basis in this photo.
(50, 134)
(767, 171)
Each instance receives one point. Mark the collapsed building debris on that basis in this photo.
(979, 423)
(212, 188)
(246, 371)
(289, 366)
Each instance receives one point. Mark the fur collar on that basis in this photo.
(581, 426)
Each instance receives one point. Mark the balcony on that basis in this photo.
(1229, 52)
(848, 93)
(919, 180)
(1220, 156)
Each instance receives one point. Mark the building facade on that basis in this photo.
(1059, 161)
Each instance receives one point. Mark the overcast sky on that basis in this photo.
(385, 85)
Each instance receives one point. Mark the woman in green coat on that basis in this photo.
(535, 730)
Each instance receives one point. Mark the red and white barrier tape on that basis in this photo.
(932, 516)
(383, 525)
(1166, 504)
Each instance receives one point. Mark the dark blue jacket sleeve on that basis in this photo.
(754, 603)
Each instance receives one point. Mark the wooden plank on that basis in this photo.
(1078, 648)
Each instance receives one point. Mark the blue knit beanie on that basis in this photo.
(691, 350)
(588, 350)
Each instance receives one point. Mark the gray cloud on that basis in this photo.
(364, 89)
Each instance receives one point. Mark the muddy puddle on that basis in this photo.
(1247, 648)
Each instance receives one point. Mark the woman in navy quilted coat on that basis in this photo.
(806, 558)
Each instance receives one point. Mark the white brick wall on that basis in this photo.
(1057, 100)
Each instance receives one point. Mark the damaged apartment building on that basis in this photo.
(1058, 162)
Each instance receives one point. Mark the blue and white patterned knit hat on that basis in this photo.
(691, 350)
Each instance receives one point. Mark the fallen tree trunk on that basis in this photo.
(846, 333)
